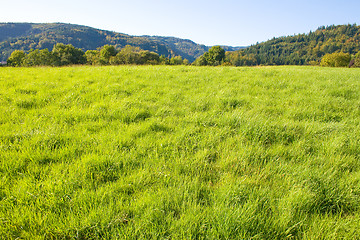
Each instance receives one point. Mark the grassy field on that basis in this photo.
(158, 152)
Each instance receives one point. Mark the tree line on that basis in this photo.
(217, 56)
(63, 55)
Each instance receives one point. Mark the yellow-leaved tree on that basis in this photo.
(336, 60)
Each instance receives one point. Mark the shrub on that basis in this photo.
(313, 63)
(357, 60)
(336, 60)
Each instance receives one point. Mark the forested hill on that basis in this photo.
(26, 36)
(300, 49)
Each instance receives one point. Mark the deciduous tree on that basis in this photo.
(16, 58)
(106, 53)
(39, 58)
(67, 55)
(215, 56)
(92, 57)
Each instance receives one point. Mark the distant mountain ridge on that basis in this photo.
(26, 36)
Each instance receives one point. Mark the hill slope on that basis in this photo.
(302, 48)
(26, 36)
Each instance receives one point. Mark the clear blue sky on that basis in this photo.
(225, 22)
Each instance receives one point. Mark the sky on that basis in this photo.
(225, 22)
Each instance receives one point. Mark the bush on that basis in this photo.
(336, 60)
(357, 60)
(313, 63)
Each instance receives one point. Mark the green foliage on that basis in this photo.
(179, 152)
(177, 60)
(239, 58)
(13, 30)
(16, 58)
(61, 55)
(33, 58)
(336, 60)
(200, 61)
(92, 57)
(67, 55)
(313, 63)
(357, 60)
(164, 60)
(300, 49)
(105, 54)
(134, 55)
(39, 58)
(148, 57)
(128, 55)
(214, 57)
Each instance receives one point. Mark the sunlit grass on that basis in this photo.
(159, 152)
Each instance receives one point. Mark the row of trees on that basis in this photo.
(62, 55)
(108, 55)
(217, 56)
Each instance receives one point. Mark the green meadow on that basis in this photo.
(179, 152)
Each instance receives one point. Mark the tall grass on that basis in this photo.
(158, 152)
